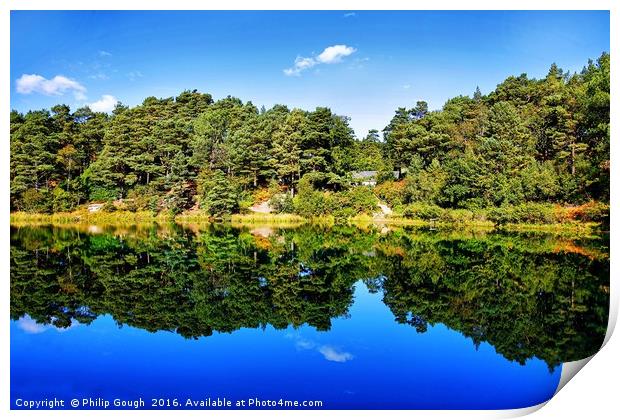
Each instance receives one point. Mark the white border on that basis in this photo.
(593, 394)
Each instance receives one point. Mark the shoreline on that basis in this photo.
(197, 220)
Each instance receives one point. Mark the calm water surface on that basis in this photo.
(354, 318)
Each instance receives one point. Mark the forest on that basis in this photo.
(532, 150)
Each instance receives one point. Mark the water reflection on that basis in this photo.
(526, 295)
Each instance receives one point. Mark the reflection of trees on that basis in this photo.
(527, 296)
(219, 280)
(547, 304)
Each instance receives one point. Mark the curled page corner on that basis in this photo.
(614, 300)
(520, 412)
(569, 370)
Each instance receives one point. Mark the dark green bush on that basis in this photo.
(359, 199)
(218, 193)
(423, 211)
(176, 199)
(282, 203)
(385, 175)
(392, 192)
(109, 207)
(142, 196)
(63, 200)
(458, 216)
(36, 201)
(103, 194)
(131, 205)
(523, 213)
(312, 203)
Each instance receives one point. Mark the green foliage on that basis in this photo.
(35, 201)
(523, 213)
(218, 194)
(108, 207)
(368, 155)
(460, 216)
(310, 202)
(245, 201)
(177, 198)
(423, 211)
(282, 203)
(385, 174)
(392, 192)
(103, 194)
(425, 185)
(144, 197)
(63, 201)
(358, 199)
(539, 182)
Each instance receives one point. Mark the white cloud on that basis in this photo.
(303, 344)
(335, 53)
(350, 14)
(34, 83)
(99, 76)
(330, 55)
(103, 53)
(300, 342)
(133, 75)
(105, 104)
(406, 86)
(30, 326)
(301, 64)
(329, 352)
(334, 355)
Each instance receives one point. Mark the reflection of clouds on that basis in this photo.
(333, 355)
(31, 326)
(303, 344)
(329, 352)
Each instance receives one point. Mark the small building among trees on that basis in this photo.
(368, 178)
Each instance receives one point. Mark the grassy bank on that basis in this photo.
(84, 217)
(584, 227)
(579, 228)
(449, 219)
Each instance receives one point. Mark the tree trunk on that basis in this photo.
(572, 162)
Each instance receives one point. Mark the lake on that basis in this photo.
(338, 317)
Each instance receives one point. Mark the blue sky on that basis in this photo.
(377, 62)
